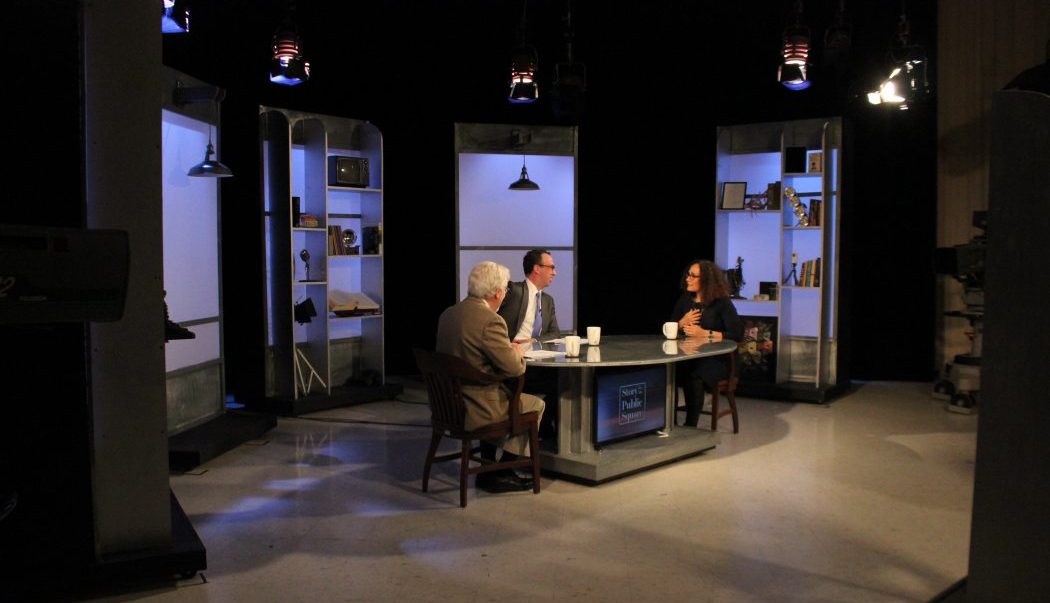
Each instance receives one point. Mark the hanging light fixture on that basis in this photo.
(288, 67)
(906, 83)
(838, 39)
(523, 183)
(793, 71)
(174, 17)
(570, 77)
(182, 95)
(523, 64)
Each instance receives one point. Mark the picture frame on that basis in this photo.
(733, 195)
(816, 163)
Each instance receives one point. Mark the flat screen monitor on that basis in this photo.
(629, 402)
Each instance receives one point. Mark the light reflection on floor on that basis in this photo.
(865, 500)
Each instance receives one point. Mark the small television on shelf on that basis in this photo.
(628, 402)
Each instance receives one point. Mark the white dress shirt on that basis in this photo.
(525, 330)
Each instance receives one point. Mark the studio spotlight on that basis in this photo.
(793, 71)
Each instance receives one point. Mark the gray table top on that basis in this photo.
(631, 350)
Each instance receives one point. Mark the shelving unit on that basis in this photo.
(331, 360)
(792, 347)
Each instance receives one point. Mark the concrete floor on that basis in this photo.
(867, 499)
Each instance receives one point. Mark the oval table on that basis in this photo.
(574, 454)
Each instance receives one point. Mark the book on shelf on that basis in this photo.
(335, 239)
(805, 269)
(351, 303)
(809, 276)
(815, 212)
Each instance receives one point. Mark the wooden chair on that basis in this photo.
(445, 376)
(725, 387)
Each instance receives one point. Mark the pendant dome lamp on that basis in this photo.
(208, 168)
(523, 183)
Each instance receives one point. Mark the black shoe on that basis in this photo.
(524, 476)
(173, 330)
(498, 482)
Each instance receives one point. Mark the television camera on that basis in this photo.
(960, 382)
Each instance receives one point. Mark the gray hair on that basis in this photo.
(486, 278)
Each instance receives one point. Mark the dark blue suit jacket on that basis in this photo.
(514, 306)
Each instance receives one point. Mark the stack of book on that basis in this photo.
(809, 276)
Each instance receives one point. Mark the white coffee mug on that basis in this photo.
(594, 335)
(671, 330)
(572, 345)
(670, 347)
(594, 354)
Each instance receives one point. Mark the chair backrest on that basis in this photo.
(444, 376)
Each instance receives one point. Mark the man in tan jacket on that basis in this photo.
(473, 331)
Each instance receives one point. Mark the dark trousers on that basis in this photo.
(693, 376)
(543, 382)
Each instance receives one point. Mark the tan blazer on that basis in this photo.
(473, 332)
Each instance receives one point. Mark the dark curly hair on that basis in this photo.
(713, 283)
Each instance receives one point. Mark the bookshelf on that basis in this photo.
(324, 252)
(788, 236)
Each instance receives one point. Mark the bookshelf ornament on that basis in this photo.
(349, 238)
(792, 277)
(305, 256)
(735, 278)
(796, 206)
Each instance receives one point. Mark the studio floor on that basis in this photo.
(867, 499)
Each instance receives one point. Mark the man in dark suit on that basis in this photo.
(529, 311)
(530, 316)
(474, 332)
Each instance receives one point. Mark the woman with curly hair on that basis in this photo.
(704, 313)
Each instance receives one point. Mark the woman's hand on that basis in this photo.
(691, 318)
(702, 333)
(694, 330)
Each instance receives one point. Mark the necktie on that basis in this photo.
(538, 320)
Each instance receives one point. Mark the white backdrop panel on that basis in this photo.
(491, 215)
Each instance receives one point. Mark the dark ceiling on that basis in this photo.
(662, 75)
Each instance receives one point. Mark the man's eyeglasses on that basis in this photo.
(551, 266)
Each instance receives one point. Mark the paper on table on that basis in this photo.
(541, 354)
